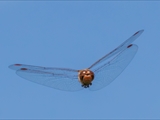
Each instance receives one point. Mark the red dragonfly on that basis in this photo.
(97, 76)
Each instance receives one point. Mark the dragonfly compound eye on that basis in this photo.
(85, 77)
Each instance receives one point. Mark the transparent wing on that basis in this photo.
(108, 72)
(45, 69)
(118, 49)
(58, 78)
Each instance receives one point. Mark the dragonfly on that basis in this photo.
(97, 76)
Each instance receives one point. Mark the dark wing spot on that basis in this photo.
(17, 64)
(136, 33)
(129, 46)
(23, 68)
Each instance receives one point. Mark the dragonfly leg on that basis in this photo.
(86, 86)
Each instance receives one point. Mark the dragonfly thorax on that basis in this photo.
(85, 77)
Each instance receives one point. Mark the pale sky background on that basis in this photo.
(75, 35)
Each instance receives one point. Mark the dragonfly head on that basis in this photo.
(85, 77)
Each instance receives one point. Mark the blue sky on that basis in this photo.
(75, 35)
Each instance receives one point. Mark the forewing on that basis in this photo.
(58, 78)
(108, 72)
(45, 69)
(119, 49)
